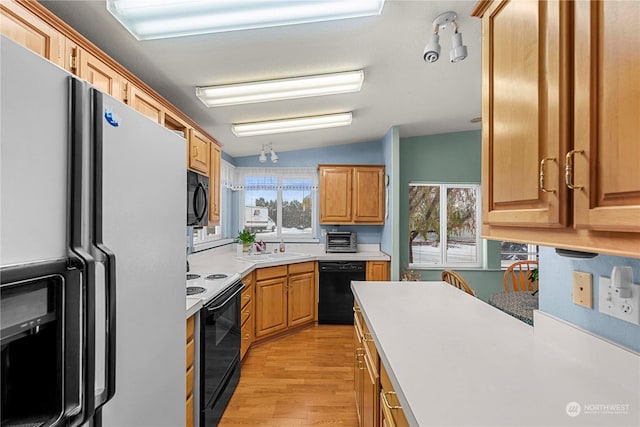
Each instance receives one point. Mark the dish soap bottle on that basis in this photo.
(281, 245)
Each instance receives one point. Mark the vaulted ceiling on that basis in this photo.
(400, 88)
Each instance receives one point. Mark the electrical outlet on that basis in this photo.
(582, 289)
(610, 302)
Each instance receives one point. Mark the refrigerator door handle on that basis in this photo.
(79, 255)
(109, 258)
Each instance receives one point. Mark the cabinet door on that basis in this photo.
(144, 104)
(99, 74)
(214, 185)
(301, 298)
(370, 393)
(271, 306)
(368, 194)
(525, 92)
(358, 372)
(607, 116)
(335, 194)
(378, 271)
(25, 28)
(199, 152)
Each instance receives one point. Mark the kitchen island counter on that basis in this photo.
(456, 361)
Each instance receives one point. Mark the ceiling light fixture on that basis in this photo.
(432, 50)
(273, 90)
(153, 19)
(263, 157)
(274, 156)
(291, 125)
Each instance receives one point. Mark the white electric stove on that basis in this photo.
(207, 286)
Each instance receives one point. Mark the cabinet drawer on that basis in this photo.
(190, 352)
(248, 280)
(246, 336)
(246, 296)
(245, 313)
(190, 327)
(189, 420)
(190, 373)
(302, 267)
(271, 272)
(390, 408)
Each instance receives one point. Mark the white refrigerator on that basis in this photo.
(88, 182)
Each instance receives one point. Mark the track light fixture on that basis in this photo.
(263, 156)
(432, 50)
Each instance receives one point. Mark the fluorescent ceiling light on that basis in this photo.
(273, 90)
(156, 19)
(291, 125)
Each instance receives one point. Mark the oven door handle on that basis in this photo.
(218, 307)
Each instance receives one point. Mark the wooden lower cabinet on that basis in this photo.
(378, 271)
(366, 373)
(190, 348)
(286, 297)
(247, 314)
(391, 413)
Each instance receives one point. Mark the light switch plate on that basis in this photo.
(583, 289)
(609, 302)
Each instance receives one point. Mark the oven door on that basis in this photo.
(220, 353)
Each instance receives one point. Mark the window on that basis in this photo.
(444, 224)
(278, 203)
(511, 252)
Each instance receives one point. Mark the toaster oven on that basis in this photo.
(341, 241)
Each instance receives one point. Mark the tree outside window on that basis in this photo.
(444, 225)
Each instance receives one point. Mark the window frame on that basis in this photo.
(282, 174)
(444, 264)
(532, 254)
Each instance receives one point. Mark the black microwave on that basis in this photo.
(197, 199)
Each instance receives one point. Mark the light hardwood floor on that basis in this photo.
(305, 379)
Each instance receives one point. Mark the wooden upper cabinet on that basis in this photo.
(214, 185)
(560, 107)
(607, 116)
(98, 73)
(144, 103)
(199, 152)
(368, 194)
(29, 30)
(525, 132)
(352, 194)
(335, 194)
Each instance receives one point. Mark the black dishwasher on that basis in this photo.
(335, 304)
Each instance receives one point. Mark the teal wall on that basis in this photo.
(450, 157)
(556, 287)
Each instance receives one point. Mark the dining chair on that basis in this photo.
(516, 277)
(454, 279)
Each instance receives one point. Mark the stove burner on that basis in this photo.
(192, 276)
(216, 276)
(193, 290)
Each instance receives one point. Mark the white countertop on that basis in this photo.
(193, 305)
(225, 258)
(456, 361)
